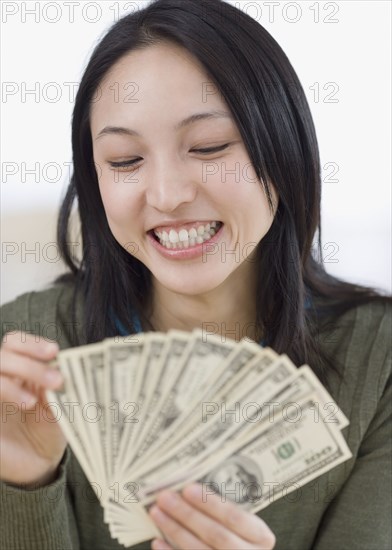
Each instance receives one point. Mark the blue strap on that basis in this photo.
(136, 323)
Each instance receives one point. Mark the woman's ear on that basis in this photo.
(275, 203)
(274, 198)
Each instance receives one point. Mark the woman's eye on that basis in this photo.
(211, 149)
(130, 163)
(124, 164)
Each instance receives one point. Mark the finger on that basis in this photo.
(12, 394)
(245, 524)
(175, 532)
(29, 370)
(30, 344)
(159, 544)
(213, 533)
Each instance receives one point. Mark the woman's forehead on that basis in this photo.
(161, 82)
(158, 66)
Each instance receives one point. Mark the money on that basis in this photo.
(161, 410)
(193, 374)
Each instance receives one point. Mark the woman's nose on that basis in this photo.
(168, 188)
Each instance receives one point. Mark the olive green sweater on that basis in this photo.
(346, 508)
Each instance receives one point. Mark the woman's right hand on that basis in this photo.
(31, 441)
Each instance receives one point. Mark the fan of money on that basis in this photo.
(159, 410)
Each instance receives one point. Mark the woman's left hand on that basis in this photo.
(193, 521)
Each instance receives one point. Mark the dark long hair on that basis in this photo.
(269, 106)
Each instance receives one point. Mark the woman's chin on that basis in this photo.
(189, 286)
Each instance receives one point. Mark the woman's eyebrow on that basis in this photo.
(119, 130)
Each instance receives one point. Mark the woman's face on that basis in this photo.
(192, 217)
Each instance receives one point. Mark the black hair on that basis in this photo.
(269, 106)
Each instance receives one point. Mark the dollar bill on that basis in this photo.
(169, 365)
(147, 375)
(291, 452)
(238, 361)
(121, 363)
(255, 408)
(87, 376)
(192, 377)
(66, 407)
(228, 419)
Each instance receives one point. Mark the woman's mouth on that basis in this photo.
(188, 237)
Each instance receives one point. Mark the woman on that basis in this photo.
(197, 178)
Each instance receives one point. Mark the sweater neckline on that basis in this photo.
(138, 326)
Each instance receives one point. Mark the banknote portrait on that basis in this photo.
(238, 478)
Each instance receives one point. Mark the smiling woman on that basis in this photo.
(173, 179)
(200, 191)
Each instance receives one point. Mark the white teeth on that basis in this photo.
(183, 235)
(173, 236)
(185, 239)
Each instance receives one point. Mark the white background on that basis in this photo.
(352, 53)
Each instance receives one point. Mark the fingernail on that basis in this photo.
(51, 347)
(155, 513)
(167, 498)
(158, 544)
(53, 377)
(193, 490)
(28, 399)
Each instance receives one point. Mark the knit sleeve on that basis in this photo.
(36, 518)
(39, 519)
